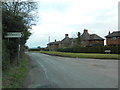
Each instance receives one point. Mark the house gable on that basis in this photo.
(66, 42)
(91, 39)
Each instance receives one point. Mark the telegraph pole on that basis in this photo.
(49, 39)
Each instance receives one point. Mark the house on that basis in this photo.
(53, 46)
(66, 42)
(86, 40)
(113, 39)
(91, 39)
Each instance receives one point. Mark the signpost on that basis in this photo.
(15, 35)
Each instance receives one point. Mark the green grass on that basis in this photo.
(15, 75)
(83, 55)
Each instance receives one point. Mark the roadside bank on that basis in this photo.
(15, 75)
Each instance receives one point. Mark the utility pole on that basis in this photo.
(49, 39)
(48, 42)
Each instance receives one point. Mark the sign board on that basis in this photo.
(14, 35)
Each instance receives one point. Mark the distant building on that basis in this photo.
(53, 46)
(66, 42)
(113, 39)
(86, 40)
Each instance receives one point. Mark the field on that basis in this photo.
(83, 55)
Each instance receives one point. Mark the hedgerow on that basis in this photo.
(97, 49)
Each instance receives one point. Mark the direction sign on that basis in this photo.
(14, 35)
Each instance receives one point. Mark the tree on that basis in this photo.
(38, 47)
(16, 16)
(79, 39)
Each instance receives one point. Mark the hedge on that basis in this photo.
(5, 56)
(39, 49)
(97, 49)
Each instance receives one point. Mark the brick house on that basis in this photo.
(91, 39)
(113, 39)
(86, 40)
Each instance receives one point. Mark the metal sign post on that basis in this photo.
(18, 50)
(15, 35)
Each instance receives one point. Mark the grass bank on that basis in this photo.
(83, 55)
(15, 75)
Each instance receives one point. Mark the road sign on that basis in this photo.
(17, 35)
(14, 35)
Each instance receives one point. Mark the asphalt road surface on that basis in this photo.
(60, 72)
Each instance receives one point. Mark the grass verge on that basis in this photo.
(83, 55)
(14, 77)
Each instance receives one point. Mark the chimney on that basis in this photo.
(85, 30)
(66, 35)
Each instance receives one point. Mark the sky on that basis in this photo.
(59, 17)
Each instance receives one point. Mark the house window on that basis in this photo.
(113, 38)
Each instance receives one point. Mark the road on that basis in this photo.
(60, 72)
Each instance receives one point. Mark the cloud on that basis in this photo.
(58, 17)
(54, 6)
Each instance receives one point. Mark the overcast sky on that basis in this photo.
(60, 17)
